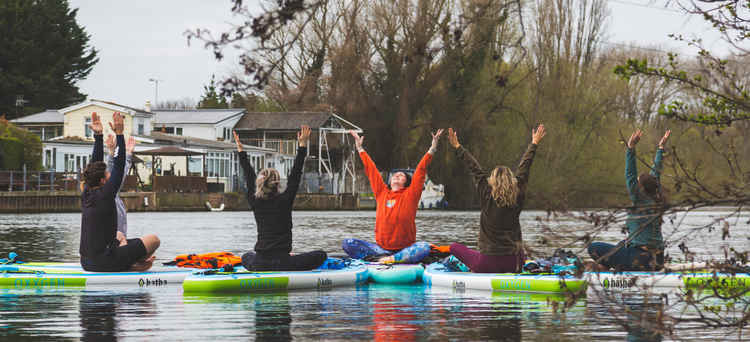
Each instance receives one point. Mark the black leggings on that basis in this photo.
(283, 262)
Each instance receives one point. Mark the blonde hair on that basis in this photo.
(504, 186)
(267, 183)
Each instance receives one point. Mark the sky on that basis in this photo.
(140, 40)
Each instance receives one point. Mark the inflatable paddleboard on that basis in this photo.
(638, 280)
(58, 275)
(437, 275)
(395, 273)
(248, 282)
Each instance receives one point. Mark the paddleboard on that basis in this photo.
(436, 275)
(639, 280)
(395, 273)
(250, 282)
(58, 275)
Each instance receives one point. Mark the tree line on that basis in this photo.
(492, 70)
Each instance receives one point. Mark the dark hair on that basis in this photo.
(94, 173)
(650, 186)
(408, 180)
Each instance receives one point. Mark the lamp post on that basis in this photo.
(156, 90)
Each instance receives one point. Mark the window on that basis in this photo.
(218, 164)
(140, 129)
(226, 133)
(178, 130)
(47, 159)
(70, 162)
(87, 127)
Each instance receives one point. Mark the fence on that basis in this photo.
(38, 181)
(180, 184)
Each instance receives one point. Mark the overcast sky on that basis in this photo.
(142, 39)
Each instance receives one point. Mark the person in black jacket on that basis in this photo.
(101, 248)
(273, 215)
(501, 196)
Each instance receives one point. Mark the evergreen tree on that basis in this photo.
(212, 99)
(43, 54)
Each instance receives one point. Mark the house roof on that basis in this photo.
(195, 116)
(48, 116)
(106, 104)
(168, 151)
(281, 120)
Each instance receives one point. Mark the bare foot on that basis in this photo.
(387, 260)
(143, 265)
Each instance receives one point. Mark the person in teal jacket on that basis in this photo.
(643, 249)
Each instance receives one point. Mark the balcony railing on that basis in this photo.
(288, 147)
(38, 181)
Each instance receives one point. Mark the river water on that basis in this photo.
(369, 312)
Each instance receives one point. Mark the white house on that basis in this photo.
(67, 140)
(209, 124)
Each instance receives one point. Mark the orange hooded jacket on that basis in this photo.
(396, 210)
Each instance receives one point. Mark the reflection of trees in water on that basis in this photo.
(98, 313)
(486, 319)
(272, 317)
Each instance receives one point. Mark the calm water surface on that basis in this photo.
(369, 312)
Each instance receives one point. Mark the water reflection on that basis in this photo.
(643, 319)
(394, 312)
(98, 312)
(272, 317)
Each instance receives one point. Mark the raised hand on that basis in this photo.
(664, 139)
(303, 135)
(96, 124)
(435, 138)
(110, 142)
(130, 145)
(357, 139)
(119, 124)
(537, 134)
(453, 138)
(237, 141)
(634, 138)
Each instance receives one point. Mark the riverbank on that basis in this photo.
(70, 201)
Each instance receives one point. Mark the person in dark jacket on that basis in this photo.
(273, 215)
(501, 195)
(101, 248)
(643, 249)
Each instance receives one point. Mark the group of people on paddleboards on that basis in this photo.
(501, 191)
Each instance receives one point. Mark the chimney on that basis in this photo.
(148, 106)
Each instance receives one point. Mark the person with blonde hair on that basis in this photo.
(273, 214)
(501, 196)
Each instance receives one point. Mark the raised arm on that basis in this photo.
(524, 167)
(420, 174)
(657, 167)
(129, 148)
(97, 128)
(475, 170)
(118, 169)
(295, 176)
(631, 169)
(376, 181)
(247, 169)
(110, 143)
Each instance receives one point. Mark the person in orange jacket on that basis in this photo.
(395, 231)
